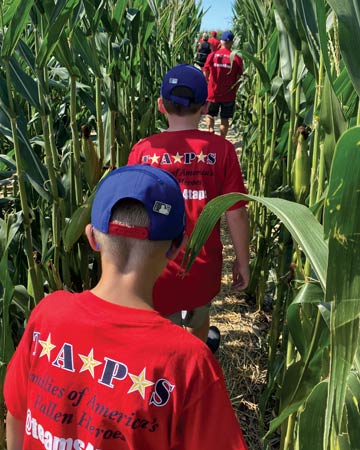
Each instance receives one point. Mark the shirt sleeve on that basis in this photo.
(17, 373)
(210, 423)
(233, 180)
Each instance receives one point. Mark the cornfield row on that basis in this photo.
(79, 81)
(78, 86)
(300, 117)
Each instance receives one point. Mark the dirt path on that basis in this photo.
(243, 349)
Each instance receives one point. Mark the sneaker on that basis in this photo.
(213, 340)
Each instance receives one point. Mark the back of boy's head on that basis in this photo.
(183, 90)
(135, 206)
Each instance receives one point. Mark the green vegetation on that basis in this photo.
(79, 81)
(300, 118)
(78, 86)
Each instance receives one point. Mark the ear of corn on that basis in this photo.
(92, 164)
(301, 168)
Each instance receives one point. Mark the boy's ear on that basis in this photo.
(89, 231)
(176, 246)
(161, 106)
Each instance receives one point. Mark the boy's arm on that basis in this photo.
(14, 432)
(206, 68)
(238, 224)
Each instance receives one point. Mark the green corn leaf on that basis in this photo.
(285, 413)
(348, 15)
(298, 219)
(321, 15)
(26, 54)
(286, 50)
(17, 16)
(9, 8)
(21, 300)
(76, 225)
(4, 99)
(7, 346)
(273, 61)
(353, 409)
(59, 17)
(259, 66)
(34, 170)
(307, 15)
(63, 54)
(119, 13)
(87, 52)
(312, 420)
(24, 84)
(285, 9)
(345, 91)
(290, 385)
(332, 120)
(342, 225)
(310, 293)
(13, 228)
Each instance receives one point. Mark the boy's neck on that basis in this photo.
(132, 290)
(183, 123)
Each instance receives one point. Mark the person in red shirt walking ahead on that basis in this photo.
(214, 42)
(223, 74)
(206, 166)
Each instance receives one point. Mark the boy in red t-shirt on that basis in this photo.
(223, 73)
(206, 166)
(213, 41)
(101, 369)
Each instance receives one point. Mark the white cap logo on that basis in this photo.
(162, 208)
(173, 81)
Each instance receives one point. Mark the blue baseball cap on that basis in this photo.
(184, 75)
(155, 188)
(227, 36)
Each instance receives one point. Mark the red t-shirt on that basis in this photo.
(223, 74)
(206, 166)
(215, 43)
(92, 375)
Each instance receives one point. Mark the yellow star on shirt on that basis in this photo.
(201, 157)
(177, 158)
(140, 383)
(89, 362)
(47, 346)
(154, 158)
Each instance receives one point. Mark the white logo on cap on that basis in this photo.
(162, 208)
(173, 81)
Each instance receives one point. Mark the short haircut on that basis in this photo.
(182, 110)
(129, 212)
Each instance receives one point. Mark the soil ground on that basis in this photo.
(243, 349)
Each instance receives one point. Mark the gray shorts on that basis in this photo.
(191, 319)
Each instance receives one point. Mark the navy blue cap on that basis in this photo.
(184, 75)
(155, 188)
(227, 36)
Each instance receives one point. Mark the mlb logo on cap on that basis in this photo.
(162, 208)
